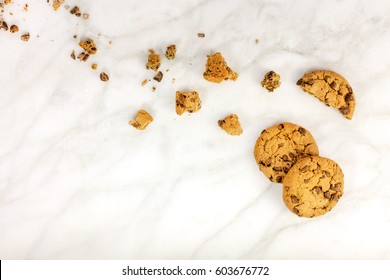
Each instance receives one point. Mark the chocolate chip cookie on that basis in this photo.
(331, 89)
(313, 186)
(280, 147)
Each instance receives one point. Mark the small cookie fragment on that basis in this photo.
(89, 46)
(331, 89)
(279, 147)
(171, 52)
(25, 37)
(217, 69)
(57, 4)
(231, 125)
(187, 102)
(104, 77)
(154, 61)
(73, 55)
(94, 66)
(158, 76)
(313, 186)
(201, 35)
(142, 120)
(144, 82)
(83, 56)
(14, 28)
(271, 81)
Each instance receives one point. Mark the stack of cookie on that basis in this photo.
(287, 153)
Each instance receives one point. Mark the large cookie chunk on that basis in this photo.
(217, 69)
(280, 147)
(331, 89)
(313, 186)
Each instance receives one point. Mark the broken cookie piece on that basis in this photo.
(89, 46)
(142, 120)
(14, 28)
(154, 61)
(25, 37)
(271, 81)
(331, 89)
(231, 125)
(187, 102)
(217, 69)
(3, 25)
(171, 52)
(104, 77)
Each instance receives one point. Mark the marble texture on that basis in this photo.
(77, 182)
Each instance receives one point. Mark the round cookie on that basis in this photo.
(280, 147)
(330, 88)
(313, 186)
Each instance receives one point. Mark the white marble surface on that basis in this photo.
(77, 182)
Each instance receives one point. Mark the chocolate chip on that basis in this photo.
(306, 181)
(279, 179)
(334, 197)
(280, 126)
(344, 110)
(311, 81)
(302, 131)
(328, 79)
(317, 189)
(280, 145)
(14, 28)
(286, 170)
(334, 85)
(348, 97)
(73, 55)
(327, 194)
(294, 199)
(158, 76)
(296, 211)
(336, 187)
(201, 35)
(285, 157)
(83, 56)
(291, 155)
(278, 168)
(268, 161)
(299, 82)
(304, 169)
(327, 173)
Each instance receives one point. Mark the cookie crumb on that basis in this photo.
(75, 36)
(75, 11)
(3, 25)
(25, 7)
(158, 76)
(144, 82)
(217, 70)
(153, 89)
(171, 52)
(85, 16)
(83, 56)
(57, 4)
(25, 37)
(94, 66)
(173, 80)
(89, 46)
(201, 35)
(73, 55)
(271, 81)
(141, 120)
(14, 28)
(187, 102)
(154, 61)
(104, 77)
(257, 41)
(231, 125)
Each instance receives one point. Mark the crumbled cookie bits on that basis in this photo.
(14, 28)
(73, 55)
(142, 120)
(89, 46)
(75, 11)
(25, 37)
(104, 77)
(94, 66)
(170, 52)
(271, 81)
